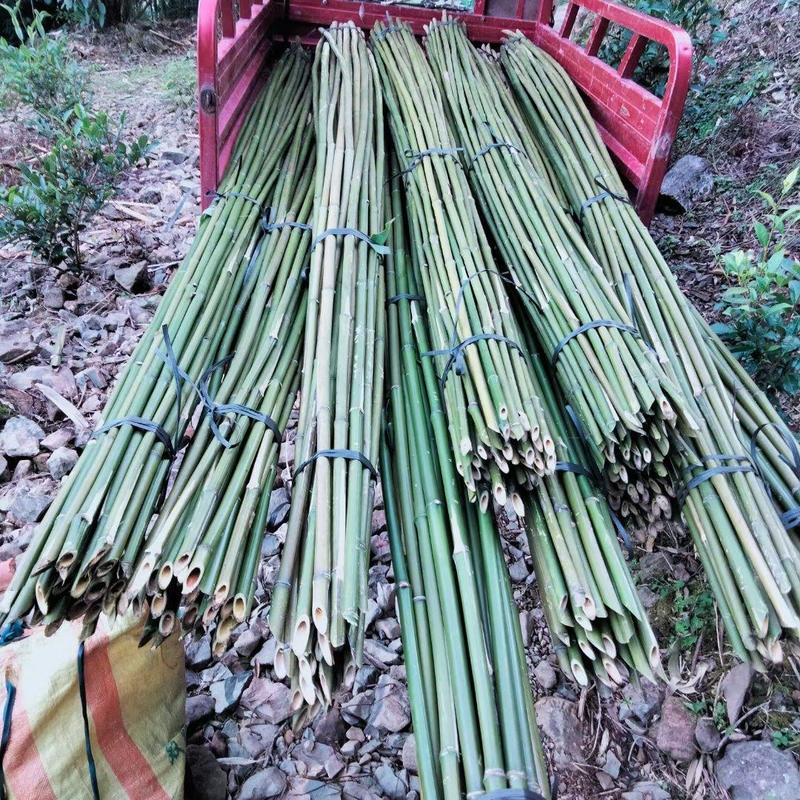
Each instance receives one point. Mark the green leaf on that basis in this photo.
(790, 180)
(762, 233)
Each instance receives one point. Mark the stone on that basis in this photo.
(333, 766)
(545, 675)
(518, 571)
(198, 652)
(390, 782)
(734, 687)
(612, 765)
(647, 596)
(247, 643)
(226, 693)
(133, 278)
(640, 701)
(174, 156)
(198, 709)
(391, 710)
(205, 778)
(674, 732)
(379, 655)
(409, 754)
(62, 380)
(359, 707)
(3, 465)
(646, 790)
(558, 721)
(270, 700)
(53, 298)
(388, 628)
(330, 728)
(278, 508)
(29, 506)
(756, 770)
(266, 655)
(269, 782)
(17, 347)
(150, 195)
(61, 462)
(689, 179)
(90, 377)
(706, 735)
(270, 546)
(258, 738)
(20, 438)
(60, 438)
(378, 521)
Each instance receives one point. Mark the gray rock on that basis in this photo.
(271, 701)
(17, 347)
(674, 732)
(198, 652)
(174, 156)
(640, 701)
(518, 571)
(61, 462)
(646, 790)
(53, 298)
(3, 465)
(278, 508)
(227, 693)
(758, 771)
(359, 707)
(388, 628)
(134, 278)
(391, 710)
(734, 687)
(205, 777)
(545, 675)
(198, 709)
(688, 179)
(62, 380)
(379, 655)
(558, 721)
(390, 782)
(150, 195)
(258, 738)
(270, 782)
(20, 438)
(409, 754)
(706, 735)
(247, 643)
(27, 506)
(612, 765)
(60, 438)
(270, 546)
(330, 728)
(90, 377)
(648, 597)
(266, 655)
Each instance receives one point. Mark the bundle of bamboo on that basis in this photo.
(465, 665)
(751, 561)
(319, 597)
(624, 399)
(497, 429)
(82, 554)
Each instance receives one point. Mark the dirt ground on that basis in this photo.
(750, 87)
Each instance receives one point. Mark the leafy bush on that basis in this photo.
(38, 71)
(701, 19)
(180, 82)
(762, 309)
(50, 206)
(56, 195)
(85, 13)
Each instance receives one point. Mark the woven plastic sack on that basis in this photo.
(134, 701)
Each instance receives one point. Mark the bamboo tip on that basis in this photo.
(192, 579)
(302, 631)
(64, 564)
(165, 576)
(239, 610)
(158, 605)
(320, 617)
(167, 623)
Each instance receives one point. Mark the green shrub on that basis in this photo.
(762, 308)
(180, 82)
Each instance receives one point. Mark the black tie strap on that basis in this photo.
(86, 732)
(493, 146)
(240, 195)
(415, 159)
(588, 326)
(742, 464)
(396, 298)
(456, 353)
(142, 424)
(605, 194)
(268, 225)
(375, 242)
(790, 518)
(349, 455)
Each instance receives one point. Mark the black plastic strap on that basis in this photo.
(513, 794)
(268, 226)
(743, 464)
(456, 353)
(8, 710)
(349, 455)
(241, 195)
(415, 159)
(493, 146)
(380, 249)
(605, 194)
(396, 298)
(790, 518)
(86, 732)
(142, 424)
(589, 326)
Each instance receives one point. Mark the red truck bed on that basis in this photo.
(235, 39)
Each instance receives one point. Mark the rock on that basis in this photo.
(198, 709)
(518, 571)
(3, 465)
(90, 377)
(558, 721)
(391, 710)
(690, 178)
(17, 347)
(205, 777)
(706, 735)
(27, 506)
(378, 521)
(53, 298)
(20, 438)
(758, 771)
(150, 195)
(61, 380)
(674, 732)
(198, 652)
(278, 508)
(266, 655)
(409, 754)
(379, 655)
(226, 693)
(247, 643)
(359, 707)
(134, 278)
(330, 728)
(61, 462)
(612, 765)
(734, 687)
(646, 790)
(545, 675)
(270, 546)
(640, 701)
(333, 766)
(388, 628)
(258, 738)
(271, 701)
(174, 156)
(390, 782)
(270, 782)
(60, 438)
(648, 597)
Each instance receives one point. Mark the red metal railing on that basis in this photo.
(637, 126)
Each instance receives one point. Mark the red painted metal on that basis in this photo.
(638, 128)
